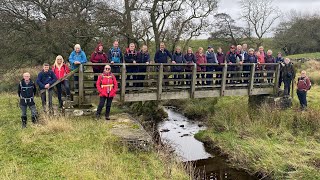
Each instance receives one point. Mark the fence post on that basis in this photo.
(160, 80)
(276, 81)
(193, 80)
(81, 85)
(224, 79)
(251, 80)
(123, 83)
(47, 101)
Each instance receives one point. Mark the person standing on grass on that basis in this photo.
(190, 60)
(26, 91)
(107, 87)
(143, 57)
(303, 86)
(60, 69)
(201, 59)
(178, 58)
(211, 58)
(280, 60)
(45, 79)
(115, 57)
(288, 75)
(98, 56)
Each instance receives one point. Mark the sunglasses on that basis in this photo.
(108, 69)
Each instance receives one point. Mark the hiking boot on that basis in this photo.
(24, 121)
(34, 119)
(107, 118)
(97, 116)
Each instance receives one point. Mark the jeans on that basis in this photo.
(44, 100)
(32, 108)
(108, 105)
(302, 95)
(287, 84)
(59, 89)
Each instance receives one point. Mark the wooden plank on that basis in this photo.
(123, 83)
(276, 81)
(160, 79)
(81, 85)
(224, 80)
(141, 97)
(251, 81)
(194, 80)
(175, 95)
(207, 93)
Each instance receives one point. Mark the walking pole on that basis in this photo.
(47, 101)
(292, 86)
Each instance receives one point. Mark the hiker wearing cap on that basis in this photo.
(107, 87)
(98, 56)
(303, 86)
(45, 79)
(60, 69)
(211, 58)
(231, 58)
(26, 91)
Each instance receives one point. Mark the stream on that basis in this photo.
(178, 132)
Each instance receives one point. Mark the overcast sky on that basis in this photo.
(305, 6)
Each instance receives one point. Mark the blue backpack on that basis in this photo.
(115, 55)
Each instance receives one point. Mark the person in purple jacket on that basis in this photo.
(45, 79)
(221, 58)
(162, 56)
(269, 59)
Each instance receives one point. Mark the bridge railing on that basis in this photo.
(155, 80)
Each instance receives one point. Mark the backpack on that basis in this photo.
(115, 55)
(305, 82)
(104, 54)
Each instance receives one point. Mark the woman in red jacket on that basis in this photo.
(201, 59)
(98, 56)
(107, 86)
(60, 69)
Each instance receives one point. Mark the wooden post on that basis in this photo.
(193, 80)
(160, 80)
(224, 79)
(276, 81)
(47, 101)
(251, 80)
(123, 83)
(81, 85)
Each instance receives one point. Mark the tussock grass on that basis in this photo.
(72, 148)
(282, 144)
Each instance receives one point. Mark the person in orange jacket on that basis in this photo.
(107, 87)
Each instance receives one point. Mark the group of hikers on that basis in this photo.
(106, 82)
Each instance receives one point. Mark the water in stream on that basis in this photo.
(179, 133)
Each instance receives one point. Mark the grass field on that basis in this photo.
(74, 148)
(307, 56)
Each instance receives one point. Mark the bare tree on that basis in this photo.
(260, 15)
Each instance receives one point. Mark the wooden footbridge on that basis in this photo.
(159, 83)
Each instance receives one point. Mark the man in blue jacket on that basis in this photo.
(115, 57)
(162, 56)
(45, 79)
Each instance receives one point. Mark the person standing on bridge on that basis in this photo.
(201, 59)
(190, 60)
(162, 56)
(144, 58)
(211, 58)
(303, 86)
(131, 57)
(280, 60)
(115, 57)
(107, 87)
(76, 58)
(60, 69)
(26, 91)
(221, 58)
(251, 58)
(98, 56)
(232, 57)
(269, 59)
(45, 79)
(178, 58)
(288, 75)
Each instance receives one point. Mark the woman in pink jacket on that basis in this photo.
(201, 59)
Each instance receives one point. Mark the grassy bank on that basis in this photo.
(75, 148)
(283, 144)
(306, 56)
